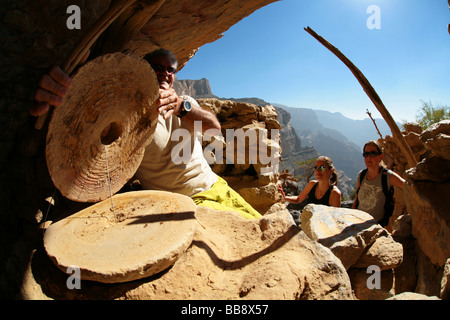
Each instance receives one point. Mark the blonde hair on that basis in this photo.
(333, 176)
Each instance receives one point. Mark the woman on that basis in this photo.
(370, 196)
(324, 190)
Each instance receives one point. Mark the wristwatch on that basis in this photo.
(185, 108)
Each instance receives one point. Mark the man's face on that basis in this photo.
(165, 71)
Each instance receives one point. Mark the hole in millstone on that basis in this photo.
(110, 133)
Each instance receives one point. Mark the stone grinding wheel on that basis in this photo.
(153, 229)
(114, 90)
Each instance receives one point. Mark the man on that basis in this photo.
(158, 171)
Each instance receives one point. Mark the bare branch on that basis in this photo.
(370, 91)
(373, 120)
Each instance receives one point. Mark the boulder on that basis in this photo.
(406, 273)
(440, 145)
(384, 252)
(229, 258)
(426, 200)
(442, 127)
(413, 127)
(430, 169)
(412, 296)
(427, 203)
(437, 139)
(366, 287)
(429, 275)
(263, 198)
(416, 145)
(352, 235)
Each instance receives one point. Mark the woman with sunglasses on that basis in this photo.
(324, 190)
(370, 196)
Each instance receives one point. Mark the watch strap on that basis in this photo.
(183, 110)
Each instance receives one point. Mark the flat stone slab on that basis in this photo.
(148, 233)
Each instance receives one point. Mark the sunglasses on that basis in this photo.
(321, 168)
(161, 69)
(371, 154)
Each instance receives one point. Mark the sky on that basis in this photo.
(405, 55)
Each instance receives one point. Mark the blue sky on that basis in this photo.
(269, 55)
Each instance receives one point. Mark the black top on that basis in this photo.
(325, 200)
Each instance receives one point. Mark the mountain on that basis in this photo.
(346, 154)
(291, 145)
(357, 131)
(198, 89)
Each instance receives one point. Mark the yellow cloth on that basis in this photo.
(222, 197)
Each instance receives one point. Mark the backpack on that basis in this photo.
(388, 193)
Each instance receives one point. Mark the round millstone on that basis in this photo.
(102, 128)
(149, 232)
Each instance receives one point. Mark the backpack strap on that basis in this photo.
(389, 194)
(361, 178)
(384, 181)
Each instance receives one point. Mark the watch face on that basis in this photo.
(187, 105)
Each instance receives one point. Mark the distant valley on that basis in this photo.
(336, 136)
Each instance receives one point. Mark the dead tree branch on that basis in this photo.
(370, 91)
(373, 120)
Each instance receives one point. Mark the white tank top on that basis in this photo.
(371, 197)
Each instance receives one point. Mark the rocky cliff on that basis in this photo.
(421, 216)
(290, 142)
(346, 155)
(194, 88)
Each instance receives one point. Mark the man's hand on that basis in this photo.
(53, 87)
(169, 102)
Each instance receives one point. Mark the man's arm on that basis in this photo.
(52, 88)
(171, 103)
